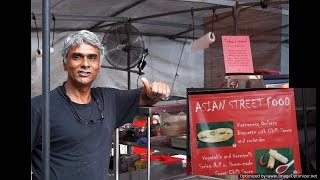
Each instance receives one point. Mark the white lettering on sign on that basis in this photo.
(242, 104)
(283, 101)
(245, 103)
(210, 106)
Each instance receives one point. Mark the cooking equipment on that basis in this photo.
(140, 132)
(125, 130)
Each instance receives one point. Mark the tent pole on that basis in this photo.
(45, 90)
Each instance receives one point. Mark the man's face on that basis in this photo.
(82, 64)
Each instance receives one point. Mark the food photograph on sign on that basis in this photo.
(274, 161)
(215, 134)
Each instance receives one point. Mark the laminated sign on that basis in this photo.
(237, 132)
(237, 54)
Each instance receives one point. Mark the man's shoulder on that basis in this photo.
(103, 89)
(37, 98)
(111, 89)
(109, 92)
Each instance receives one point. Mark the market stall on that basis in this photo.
(166, 31)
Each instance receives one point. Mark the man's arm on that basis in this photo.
(151, 93)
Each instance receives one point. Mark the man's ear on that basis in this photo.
(64, 66)
(99, 68)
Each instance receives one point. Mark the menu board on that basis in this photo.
(237, 54)
(234, 132)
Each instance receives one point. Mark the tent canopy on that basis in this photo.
(166, 26)
(167, 18)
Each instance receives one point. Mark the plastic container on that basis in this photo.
(140, 128)
(173, 124)
(162, 158)
(140, 150)
(179, 142)
(161, 141)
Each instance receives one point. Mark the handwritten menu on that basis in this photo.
(246, 132)
(237, 54)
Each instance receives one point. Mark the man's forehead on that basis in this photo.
(84, 49)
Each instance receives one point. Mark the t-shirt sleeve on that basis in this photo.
(127, 105)
(35, 122)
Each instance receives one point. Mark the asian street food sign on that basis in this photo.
(243, 132)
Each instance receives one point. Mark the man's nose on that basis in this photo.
(85, 61)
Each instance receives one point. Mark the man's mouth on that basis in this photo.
(84, 73)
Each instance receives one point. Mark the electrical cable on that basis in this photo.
(138, 81)
(192, 15)
(176, 74)
(142, 63)
(54, 27)
(213, 16)
(34, 18)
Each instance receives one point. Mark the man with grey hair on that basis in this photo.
(83, 118)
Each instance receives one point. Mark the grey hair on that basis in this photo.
(83, 36)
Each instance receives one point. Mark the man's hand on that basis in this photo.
(154, 91)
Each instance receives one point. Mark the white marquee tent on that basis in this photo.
(166, 27)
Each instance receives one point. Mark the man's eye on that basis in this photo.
(92, 57)
(77, 57)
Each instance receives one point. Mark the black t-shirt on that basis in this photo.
(80, 150)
